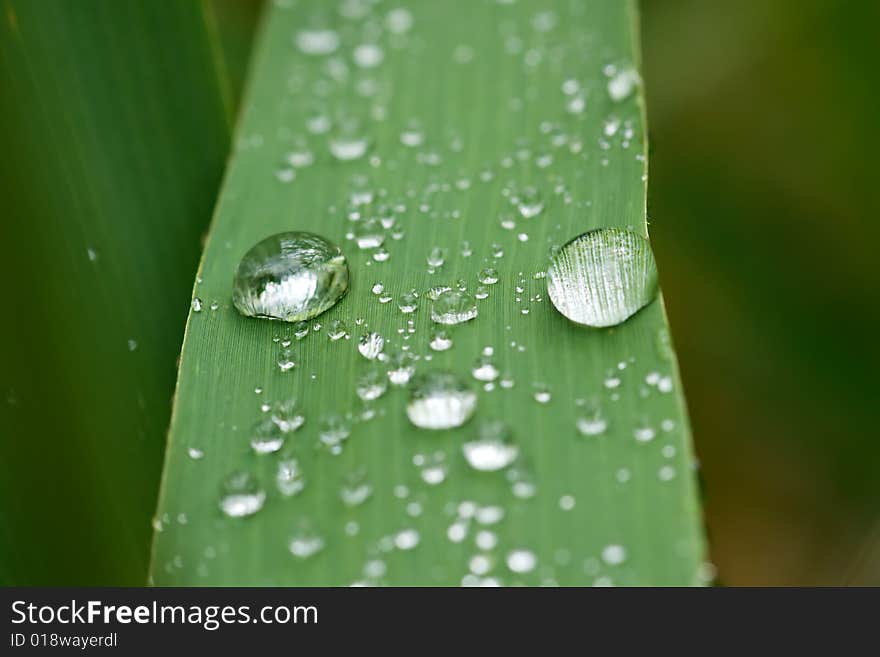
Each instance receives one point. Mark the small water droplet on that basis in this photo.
(622, 83)
(613, 554)
(436, 257)
(530, 202)
(593, 424)
(336, 330)
(644, 433)
(453, 307)
(602, 277)
(368, 234)
(266, 437)
(289, 478)
(401, 367)
(541, 393)
(196, 305)
(440, 400)
(371, 385)
(287, 415)
(356, 489)
(317, 41)
(333, 430)
(370, 345)
(488, 276)
(195, 453)
(406, 539)
(381, 255)
(368, 55)
(305, 543)
(408, 302)
(286, 360)
(290, 276)
(441, 340)
(492, 449)
(521, 561)
(484, 369)
(241, 495)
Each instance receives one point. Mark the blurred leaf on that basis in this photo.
(116, 125)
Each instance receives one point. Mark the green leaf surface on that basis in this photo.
(115, 130)
(508, 97)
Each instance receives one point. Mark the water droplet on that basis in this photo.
(368, 234)
(336, 330)
(356, 489)
(372, 385)
(399, 21)
(530, 202)
(492, 449)
(401, 367)
(368, 55)
(413, 135)
(290, 276)
(286, 360)
(317, 42)
(613, 555)
(436, 257)
(289, 478)
(377, 288)
(300, 330)
(644, 433)
(381, 255)
(622, 84)
(132, 344)
(521, 561)
(541, 393)
(408, 302)
(406, 539)
(241, 495)
(305, 543)
(440, 400)
(196, 305)
(440, 341)
(591, 425)
(602, 277)
(488, 276)
(370, 345)
(485, 370)
(266, 437)
(287, 415)
(481, 292)
(333, 430)
(195, 453)
(453, 307)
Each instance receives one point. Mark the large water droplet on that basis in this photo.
(602, 277)
(290, 276)
(440, 400)
(453, 307)
(492, 449)
(241, 495)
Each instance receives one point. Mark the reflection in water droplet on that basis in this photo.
(492, 449)
(241, 495)
(602, 277)
(440, 400)
(290, 276)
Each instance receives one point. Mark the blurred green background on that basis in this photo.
(763, 203)
(763, 209)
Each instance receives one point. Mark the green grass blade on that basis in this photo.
(484, 80)
(114, 140)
